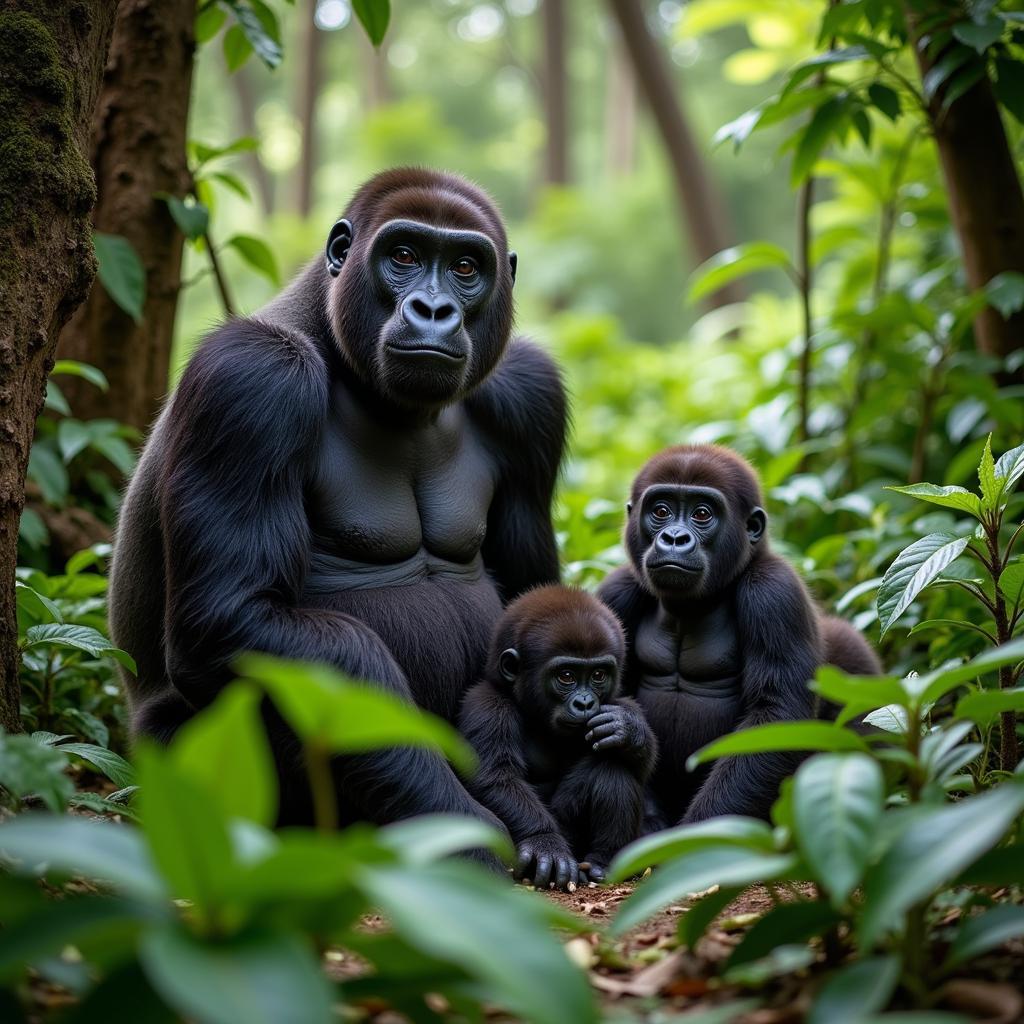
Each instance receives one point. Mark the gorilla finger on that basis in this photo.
(601, 719)
(542, 876)
(524, 859)
(610, 742)
(563, 872)
(603, 730)
(597, 872)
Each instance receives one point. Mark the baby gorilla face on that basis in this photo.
(576, 688)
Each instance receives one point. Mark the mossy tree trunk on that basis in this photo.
(137, 152)
(51, 65)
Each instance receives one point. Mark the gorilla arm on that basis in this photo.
(524, 406)
(781, 647)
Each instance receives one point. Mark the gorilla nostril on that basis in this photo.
(421, 309)
(445, 311)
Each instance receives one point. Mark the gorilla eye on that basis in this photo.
(465, 267)
(565, 676)
(403, 256)
(661, 511)
(598, 675)
(701, 514)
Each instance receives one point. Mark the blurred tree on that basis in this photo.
(377, 91)
(556, 92)
(986, 203)
(245, 92)
(310, 83)
(138, 153)
(53, 57)
(703, 212)
(619, 111)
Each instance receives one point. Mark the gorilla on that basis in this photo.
(722, 633)
(563, 757)
(359, 474)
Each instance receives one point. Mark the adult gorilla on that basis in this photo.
(359, 474)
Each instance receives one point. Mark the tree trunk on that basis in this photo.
(700, 205)
(246, 95)
(51, 66)
(986, 203)
(619, 112)
(377, 92)
(556, 103)
(309, 89)
(138, 151)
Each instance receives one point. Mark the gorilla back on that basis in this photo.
(359, 474)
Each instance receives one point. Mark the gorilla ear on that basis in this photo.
(757, 521)
(513, 263)
(508, 664)
(629, 508)
(338, 243)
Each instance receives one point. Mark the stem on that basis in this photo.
(976, 592)
(1010, 543)
(222, 285)
(1009, 752)
(321, 784)
(914, 936)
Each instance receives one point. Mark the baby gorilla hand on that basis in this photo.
(547, 859)
(613, 727)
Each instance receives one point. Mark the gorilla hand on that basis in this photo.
(547, 859)
(614, 727)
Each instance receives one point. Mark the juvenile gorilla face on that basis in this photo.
(576, 688)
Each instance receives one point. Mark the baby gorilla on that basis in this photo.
(563, 758)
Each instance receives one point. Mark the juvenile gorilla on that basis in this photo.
(563, 758)
(722, 632)
(359, 474)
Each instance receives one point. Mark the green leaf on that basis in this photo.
(963, 82)
(933, 848)
(48, 471)
(933, 685)
(980, 37)
(257, 254)
(186, 831)
(32, 769)
(55, 400)
(233, 182)
(985, 706)
(225, 751)
(698, 917)
(781, 926)
(856, 694)
(79, 638)
(431, 837)
(208, 23)
(204, 152)
(999, 867)
(73, 437)
(949, 497)
(115, 767)
(193, 219)
(73, 368)
(340, 715)
(730, 264)
(892, 718)
(1005, 292)
(666, 845)
(41, 607)
(885, 99)
(912, 570)
(259, 26)
(261, 977)
(991, 490)
(1009, 86)
(984, 932)
(237, 48)
(1011, 582)
(859, 989)
(837, 805)
(374, 16)
(1010, 466)
(101, 850)
(943, 69)
(498, 934)
(814, 138)
(781, 961)
(779, 736)
(121, 273)
(695, 872)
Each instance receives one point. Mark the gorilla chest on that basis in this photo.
(382, 493)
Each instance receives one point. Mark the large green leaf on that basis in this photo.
(121, 273)
(225, 751)
(101, 850)
(780, 736)
(932, 849)
(340, 715)
(985, 706)
(259, 978)
(374, 16)
(958, 498)
(259, 26)
(857, 694)
(986, 931)
(730, 264)
(115, 767)
(501, 936)
(73, 368)
(1011, 582)
(783, 925)
(193, 219)
(29, 768)
(257, 254)
(933, 685)
(695, 872)
(825, 121)
(1010, 466)
(47, 469)
(860, 989)
(837, 806)
(430, 837)
(670, 843)
(912, 570)
(78, 638)
(991, 487)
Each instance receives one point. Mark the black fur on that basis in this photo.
(562, 763)
(313, 493)
(722, 633)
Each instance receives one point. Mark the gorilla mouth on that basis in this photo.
(428, 351)
(672, 575)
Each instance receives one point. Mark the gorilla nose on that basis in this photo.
(583, 703)
(431, 314)
(675, 540)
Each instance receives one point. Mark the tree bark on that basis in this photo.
(986, 203)
(138, 151)
(51, 66)
(309, 88)
(619, 112)
(556, 93)
(703, 216)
